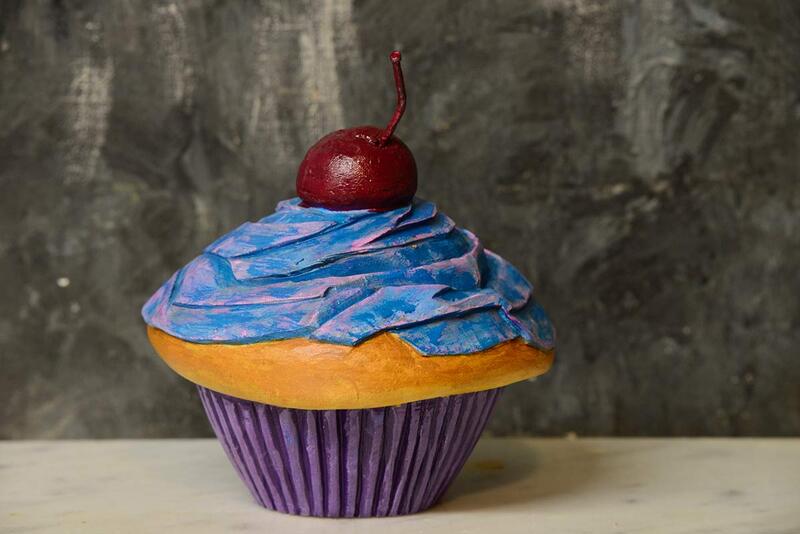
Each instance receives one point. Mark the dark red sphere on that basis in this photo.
(349, 170)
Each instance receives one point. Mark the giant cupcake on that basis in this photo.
(349, 348)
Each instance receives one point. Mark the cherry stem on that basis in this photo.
(401, 99)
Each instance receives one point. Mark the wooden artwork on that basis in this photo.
(349, 347)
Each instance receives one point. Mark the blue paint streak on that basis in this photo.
(343, 277)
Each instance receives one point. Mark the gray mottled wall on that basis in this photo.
(637, 160)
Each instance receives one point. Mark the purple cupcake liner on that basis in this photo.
(349, 463)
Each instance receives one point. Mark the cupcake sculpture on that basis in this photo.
(349, 348)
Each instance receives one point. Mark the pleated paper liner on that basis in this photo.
(349, 463)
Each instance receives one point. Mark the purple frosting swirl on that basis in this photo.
(344, 276)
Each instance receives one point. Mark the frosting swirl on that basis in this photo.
(343, 276)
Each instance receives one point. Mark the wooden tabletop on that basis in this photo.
(509, 485)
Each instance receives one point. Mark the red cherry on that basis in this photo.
(363, 167)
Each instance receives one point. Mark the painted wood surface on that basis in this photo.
(525, 486)
(636, 160)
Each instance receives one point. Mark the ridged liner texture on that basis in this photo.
(374, 462)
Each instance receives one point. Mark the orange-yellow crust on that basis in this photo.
(311, 375)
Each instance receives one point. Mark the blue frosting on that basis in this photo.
(343, 276)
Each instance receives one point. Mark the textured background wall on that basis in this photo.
(637, 160)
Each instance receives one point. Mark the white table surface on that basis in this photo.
(509, 485)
